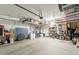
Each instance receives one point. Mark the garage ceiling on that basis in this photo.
(49, 11)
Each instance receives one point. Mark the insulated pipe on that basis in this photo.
(28, 11)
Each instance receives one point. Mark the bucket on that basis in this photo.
(11, 40)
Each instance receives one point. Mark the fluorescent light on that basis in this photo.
(8, 17)
(49, 18)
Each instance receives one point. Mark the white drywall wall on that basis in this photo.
(44, 30)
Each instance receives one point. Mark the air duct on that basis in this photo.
(28, 11)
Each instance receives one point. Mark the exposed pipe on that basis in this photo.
(28, 11)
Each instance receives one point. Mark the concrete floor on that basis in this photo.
(40, 46)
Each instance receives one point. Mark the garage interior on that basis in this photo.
(39, 29)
